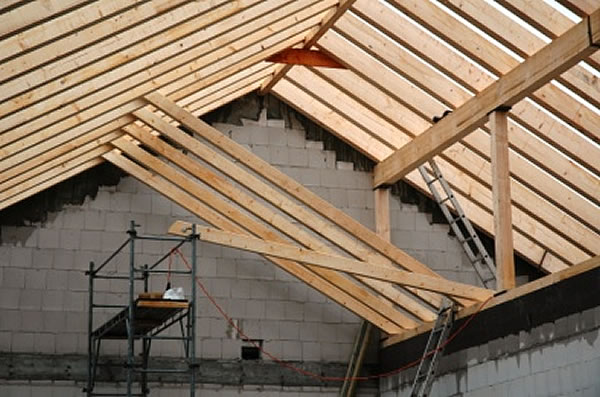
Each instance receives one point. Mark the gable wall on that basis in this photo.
(43, 290)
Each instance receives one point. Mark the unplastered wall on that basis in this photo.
(43, 289)
(560, 358)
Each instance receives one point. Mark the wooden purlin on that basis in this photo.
(265, 192)
(573, 46)
(523, 42)
(339, 263)
(328, 21)
(388, 108)
(295, 189)
(525, 246)
(480, 194)
(202, 203)
(435, 53)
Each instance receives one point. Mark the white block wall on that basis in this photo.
(43, 289)
(561, 358)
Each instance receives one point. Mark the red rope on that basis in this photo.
(313, 374)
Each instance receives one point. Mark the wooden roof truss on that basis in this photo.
(83, 82)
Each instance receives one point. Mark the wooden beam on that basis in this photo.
(525, 244)
(314, 36)
(537, 70)
(503, 236)
(208, 52)
(228, 211)
(57, 178)
(339, 263)
(54, 27)
(466, 170)
(266, 192)
(509, 295)
(382, 213)
(292, 187)
(209, 215)
(298, 56)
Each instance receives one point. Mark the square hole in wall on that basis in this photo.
(251, 349)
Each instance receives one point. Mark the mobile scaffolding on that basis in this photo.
(144, 317)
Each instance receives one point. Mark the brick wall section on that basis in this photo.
(43, 290)
(555, 359)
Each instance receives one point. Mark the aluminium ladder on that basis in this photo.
(461, 226)
(434, 348)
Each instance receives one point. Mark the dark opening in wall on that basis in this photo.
(251, 349)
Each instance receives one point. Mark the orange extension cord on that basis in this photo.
(315, 375)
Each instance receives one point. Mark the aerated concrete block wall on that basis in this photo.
(560, 358)
(43, 288)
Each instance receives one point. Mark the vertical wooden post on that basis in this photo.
(382, 213)
(505, 264)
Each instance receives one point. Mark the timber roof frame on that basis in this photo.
(87, 81)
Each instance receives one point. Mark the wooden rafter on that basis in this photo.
(573, 46)
(524, 244)
(246, 201)
(201, 202)
(328, 21)
(293, 188)
(457, 155)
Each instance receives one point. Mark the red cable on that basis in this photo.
(318, 376)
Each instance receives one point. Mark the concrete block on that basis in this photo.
(295, 137)
(422, 222)
(339, 198)
(93, 220)
(315, 145)
(330, 159)
(13, 277)
(31, 321)
(47, 238)
(327, 333)
(565, 381)
(438, 241)
(22, 342)
(44, 343)
(313, 311)
(11, 320)
(77, 281)
(160, 205)
(311, 351)
(289, 330)
(211, 348)
(298, 157)
(90, 240)
(310, 177)
(69, 239)
(255, 309)
(53, 300)
(279, 155)
(5, 340)
(75, 301)
(19, 256)
(477, 377)
(262, 151)
(537, 360)
(120, 202)
(308, 331)
(9, 298)
(317, 158)
(541, 384)
(101, 201)
(293, 311)
(31, 300)
(291, 350)
(35, 278)
(297, 292)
